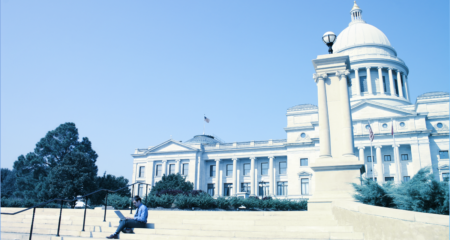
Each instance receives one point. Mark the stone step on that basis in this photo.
(257, 228)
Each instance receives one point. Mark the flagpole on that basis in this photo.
(371, 154)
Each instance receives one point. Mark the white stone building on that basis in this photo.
(379, 93)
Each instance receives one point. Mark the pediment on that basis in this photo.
(365, 109)
(304, 174)
(171, 146)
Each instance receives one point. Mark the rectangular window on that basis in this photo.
(369, 158)
(245, 187)
(305, 186)
(158, 170)
(282, 188)
(443, 154)
(211, 187)
(171, 168)
(230, 170)
(304, 162)
(141, 172)
(246, 169)
(212, 170)
(141, 190)
(363, 83)
(374, 179)
(283, 167)
(445, 176)
(185, 169)
(387, 179)
(263, 189)
(264, 168)
(406, 178)
(384, 84)
(227, 189)
(404, 157)
(387, 158)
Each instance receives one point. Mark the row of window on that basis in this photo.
(364, 87)
(388, 179)
(264, 168)
(263, 188)
(158, 170)
(387, 158)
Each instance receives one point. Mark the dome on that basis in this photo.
(360, 34)
(202, 139)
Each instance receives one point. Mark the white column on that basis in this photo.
(361, 153)
(399, 83)
(324, 134)
(397, 164)
(199, 167)
(347, 134)
(177, 166)
(380, 176)
(406, 87)
(252, 176)
(369, 81)
(256, 182)
(391, 83)
(164, 168)
(357, 83)
(220, 190)
(380, 78)
(234, 176)
(271, 175)
(216, 194)
(149, 173)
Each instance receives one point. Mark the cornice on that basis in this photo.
(290, 129)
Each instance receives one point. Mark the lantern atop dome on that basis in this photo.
(356, 13)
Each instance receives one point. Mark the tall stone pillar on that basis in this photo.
(252, 176)
(357, 83)
(380, 78)
(369, 81)
(271, 175)
(399, 83)
(333, 174)
(380, 176)
(398, 166)
(164, 167)
(177, 165)
(391, 82)
(234, 176)
(324, 131)
(361, 153)
(406, 86)
(216, 194)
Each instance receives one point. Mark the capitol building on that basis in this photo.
(378, 88)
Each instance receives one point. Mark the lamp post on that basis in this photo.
(329, 38)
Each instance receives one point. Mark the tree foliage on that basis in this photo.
(172, 182)
(111, 182)
(8, 179)
(373, 194)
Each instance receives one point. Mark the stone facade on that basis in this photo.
(378, 90)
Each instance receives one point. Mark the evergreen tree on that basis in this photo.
(29, 170)
(8, 179)
(111, 182)
(172, 182)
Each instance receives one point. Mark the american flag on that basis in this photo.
(392, 127)
(371, 136)
(206, 119)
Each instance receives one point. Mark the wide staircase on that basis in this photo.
(178, 225)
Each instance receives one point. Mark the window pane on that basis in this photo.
(158, 170)
(141, 172)
(443, 154)
(389, 179)
(282, 188)
(229, 170)
(171, 168)
(211, 187)
(264, 168)
(369, 158)
(363, 83)
(212, 171)
(263, 189)
(387, 158)
(404, 157)
(227, 189)
(445, 176)
(245, 187)
(406, 178)
(185, 169)
(304, 162)
(246, 169)
(283, 166)
(305, 186)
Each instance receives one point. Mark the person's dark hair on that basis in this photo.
(137, 198)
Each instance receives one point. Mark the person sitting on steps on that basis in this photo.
(139, 220)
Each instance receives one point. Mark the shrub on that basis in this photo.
(204, 201)
(172, 182)
(171, 192)
(118, 202)
(182, 201)
(235, 202)
(251, 203)
(372, 193)
(165, 201)
(150, 201)
(222, 203)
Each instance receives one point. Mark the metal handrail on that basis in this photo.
(76, 199)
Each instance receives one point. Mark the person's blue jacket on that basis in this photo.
(141, 213)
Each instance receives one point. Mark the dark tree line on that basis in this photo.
(60, 166)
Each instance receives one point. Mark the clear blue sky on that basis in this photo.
(130, 74)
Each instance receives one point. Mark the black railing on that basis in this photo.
(85, 205)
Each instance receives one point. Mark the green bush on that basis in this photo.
(204, 201)
(235, 202)
(172, 182)
(184, 202)
(26, 203)
(118, 202)
(165, 201)
(222, 203)
(373, 194)
(251, 203)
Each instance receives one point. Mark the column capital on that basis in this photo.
(177, 160)
(379, 146)
(361, 147)
(380, 68)
(234, 159)
(395, 145)
(271, 157)
(369, 67)
(217, 159)
(252, 158)
(164, 161)
(342, 74)
(318, 76)
(391, 68)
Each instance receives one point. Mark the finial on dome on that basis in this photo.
(356, 13)
(355, 6)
